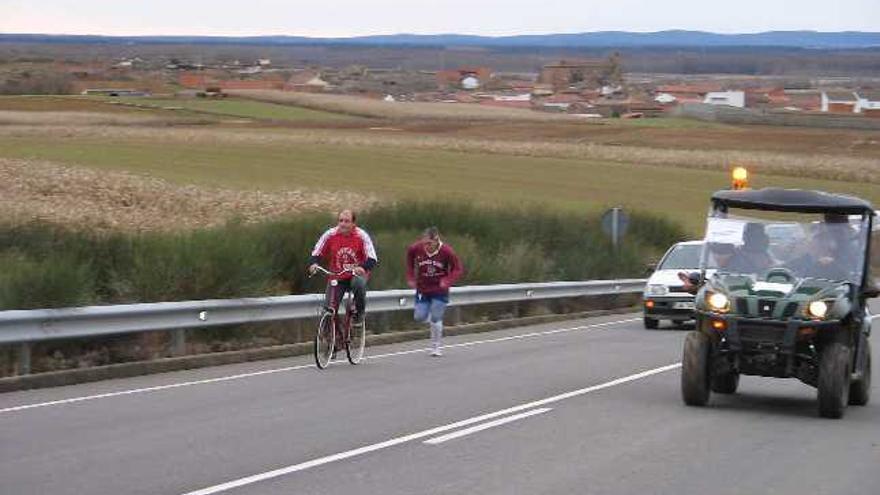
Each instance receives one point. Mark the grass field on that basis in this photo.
(59, 107)
(233, 107)
(79, 111)
(570, 184)
(61, 104)
(431, 151)
(365, 107)
(101, 200)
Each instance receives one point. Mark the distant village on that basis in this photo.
(588, 87)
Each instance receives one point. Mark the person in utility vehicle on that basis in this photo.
(752, 256)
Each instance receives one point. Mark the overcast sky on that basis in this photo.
(332, 18)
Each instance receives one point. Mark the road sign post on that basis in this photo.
(615, 223)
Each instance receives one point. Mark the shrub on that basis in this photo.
(36, 83)
(54, 281)
(50, 266)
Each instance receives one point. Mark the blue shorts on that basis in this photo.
(430, 307)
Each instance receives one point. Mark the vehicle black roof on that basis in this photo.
(792, 200)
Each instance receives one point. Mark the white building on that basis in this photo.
(868, 102)
(470, 82)
(839, 101)
(520, 97)
(729, 98)
(665, 98)
(610, 90)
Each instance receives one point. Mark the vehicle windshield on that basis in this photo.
(786, 246)
(683, 256)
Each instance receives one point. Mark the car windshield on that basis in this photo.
(682, 256)
(786, 246)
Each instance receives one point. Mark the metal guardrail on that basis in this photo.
(26, 327)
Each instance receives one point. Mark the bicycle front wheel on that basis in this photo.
(357, 339)
(325, 339)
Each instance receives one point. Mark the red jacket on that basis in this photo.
(345, 251)
(432, 273)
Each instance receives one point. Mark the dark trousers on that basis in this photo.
(358, 288)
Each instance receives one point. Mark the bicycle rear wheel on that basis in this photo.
(357, 339)
(325, 339)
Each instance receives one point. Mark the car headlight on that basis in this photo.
(718, 302)
(818, 309)
(656, 290)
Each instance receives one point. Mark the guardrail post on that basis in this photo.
(24, 358)
(454, 315)
(304, 330)
(298, 328)
(384, 321)
(178, 342)
(517, 310)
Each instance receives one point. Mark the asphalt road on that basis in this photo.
(586, 407)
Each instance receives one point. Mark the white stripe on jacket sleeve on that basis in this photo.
(368, 244)
(319, 246)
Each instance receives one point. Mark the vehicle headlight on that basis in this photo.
(818, 309)
(718, 302)
(656, 290)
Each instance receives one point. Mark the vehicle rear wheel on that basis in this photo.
(325, 339)
(357, 339)
(834, 380)
(725, 383)
(695, 369)
(651, 323)
(860, 390)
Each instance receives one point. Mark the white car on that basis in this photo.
(664, 297)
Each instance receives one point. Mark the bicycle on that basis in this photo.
(333, 335)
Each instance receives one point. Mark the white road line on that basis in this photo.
(485, 426)
(240, 376)
(249, 480)
(541, 334)
(152, 389)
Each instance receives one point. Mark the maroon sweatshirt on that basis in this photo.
(432, 273)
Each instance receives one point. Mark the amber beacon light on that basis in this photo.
(740, 178)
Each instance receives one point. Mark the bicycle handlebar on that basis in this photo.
(328, 272)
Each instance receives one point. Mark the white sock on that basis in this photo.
(436, 333)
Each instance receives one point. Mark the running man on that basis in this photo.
(431, 269)
(347, 247)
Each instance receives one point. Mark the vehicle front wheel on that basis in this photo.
(834, 380)
(860, 390)
(695, 366)
(325, 340)
(726, 383)
(358, 338)
(651, 323)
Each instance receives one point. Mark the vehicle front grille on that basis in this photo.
(765, 307)
(790, 310)
(757, 332)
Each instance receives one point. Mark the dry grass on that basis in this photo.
(78, 118)
(39, 190)
(365, 107)
(62, 103)
(816, 166)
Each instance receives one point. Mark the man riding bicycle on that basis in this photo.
(351, 255)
